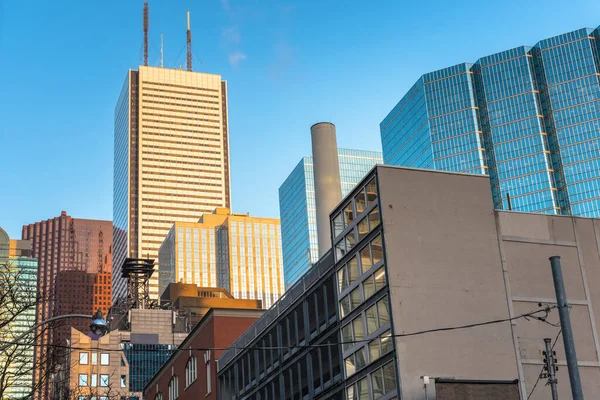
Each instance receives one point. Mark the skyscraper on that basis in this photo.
(528, 117)
(63, 244)
(19, 279)
(297, 208)
(171, 159)
(236, 252)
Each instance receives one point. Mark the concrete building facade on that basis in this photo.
(236, 252)
(192, 373)
(416, 251)
(171, 159)
(62, 244)
(297, 208)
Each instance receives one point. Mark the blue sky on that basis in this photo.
(289, 64)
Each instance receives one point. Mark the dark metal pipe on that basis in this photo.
(567, 332)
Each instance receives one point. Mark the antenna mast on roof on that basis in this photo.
(189, 43)
(162, 52)
(146, 20)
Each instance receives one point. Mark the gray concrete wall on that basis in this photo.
(527, 242)
(444, 269)
(328, 189)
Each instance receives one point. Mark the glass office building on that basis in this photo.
(528, 117)
(19, 272)
(298, 213)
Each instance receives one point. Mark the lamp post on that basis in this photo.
(98, 324)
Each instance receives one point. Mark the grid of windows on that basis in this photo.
(298, 213)
(527, 117)
(364, 305)
(144, 361)
(286, 364)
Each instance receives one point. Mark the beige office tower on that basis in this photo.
(171, 159)
(236, 252)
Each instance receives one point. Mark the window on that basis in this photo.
(83, 358)
(348, 215)
(190, 371)
(377, 249)
(93, 380)
(94, 358)
(371, 192)
(374, 218)
(360, 202)
(158, 396)
(338, 224)
(174, 388)
(359, 390)
(380, 346)
(208, 376)
(380, 279)
(83, 380)
(104, 359)
(123, 381)
(363, 228)
(104, 380)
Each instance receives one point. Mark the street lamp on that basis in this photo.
(5, 345)
(98, 326)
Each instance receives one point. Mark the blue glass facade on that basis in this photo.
(528, 117)
(297, 208)
(144, 361)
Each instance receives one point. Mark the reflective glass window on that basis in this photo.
(360, 202)
(352, 269)
(363, 228)
(371, 190)
(355, 299)
(374, 218)
(365, 258)
(377, 249)
(348, 215)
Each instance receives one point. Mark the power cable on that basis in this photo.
(526, 316)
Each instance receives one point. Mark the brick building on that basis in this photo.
(65, 244)
(192, 374)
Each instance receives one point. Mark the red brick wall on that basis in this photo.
(219, 331)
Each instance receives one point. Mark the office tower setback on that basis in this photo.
(298, 211)
(527, 117)
(236, 252)
(63, 244)
(171, 159)
(18, 287)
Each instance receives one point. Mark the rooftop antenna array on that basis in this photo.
(146, 22)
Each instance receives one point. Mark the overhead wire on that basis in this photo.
(532, 314)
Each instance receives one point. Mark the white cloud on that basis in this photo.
(231, 35)
(236, 57)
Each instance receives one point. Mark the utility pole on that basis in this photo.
(550, 368)
(567, 331)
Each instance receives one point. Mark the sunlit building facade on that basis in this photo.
(19, 271)
(528, 117)
(298, 213)
(171, 159)
(236, 252)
